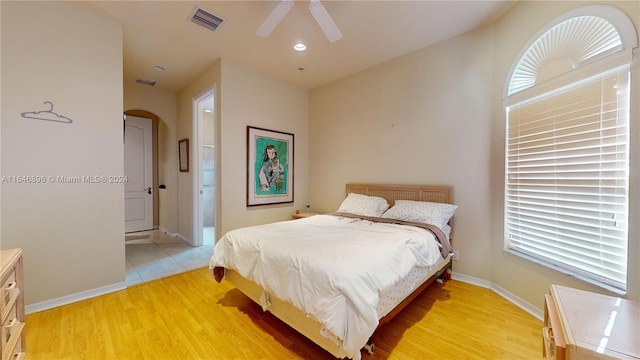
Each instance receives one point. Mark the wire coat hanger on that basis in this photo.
(46, 115)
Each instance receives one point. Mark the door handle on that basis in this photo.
(148, 190)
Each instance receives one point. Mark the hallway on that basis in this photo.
(153, 254)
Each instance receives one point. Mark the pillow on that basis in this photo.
(363, 205)
(447, 231)
(437, 214)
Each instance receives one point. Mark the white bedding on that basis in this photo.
(332, 268)
(390, 298)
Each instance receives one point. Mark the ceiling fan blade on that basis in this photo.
(325, 21)
(274, 18)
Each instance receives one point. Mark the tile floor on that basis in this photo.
(154, 254)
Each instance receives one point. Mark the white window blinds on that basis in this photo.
(567, 178)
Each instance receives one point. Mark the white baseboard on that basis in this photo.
(186, 239)
(68, 299)
(178, 235)
(167, 232)
(83, 295)
(517, 301)
(471, 280)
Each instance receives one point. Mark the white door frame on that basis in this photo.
(198, 128)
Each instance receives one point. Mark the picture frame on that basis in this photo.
(270, 166)
(183, 155)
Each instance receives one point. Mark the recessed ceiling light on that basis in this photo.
(300, 47)
(159, 68)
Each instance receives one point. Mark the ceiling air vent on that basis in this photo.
(206, 19)
(145, 81)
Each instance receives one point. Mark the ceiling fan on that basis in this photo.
(316, 8)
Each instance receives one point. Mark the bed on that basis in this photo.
(323, 277)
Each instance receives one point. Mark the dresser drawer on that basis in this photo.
(10, 292)
(553, 339)
(9, 326)
(12, 344)
(8, 283)
(549, 345)
(11, 333)
(13, 348)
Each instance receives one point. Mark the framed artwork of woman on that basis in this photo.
(269, 166)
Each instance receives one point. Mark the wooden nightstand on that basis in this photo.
(303, 215)
(585, 325)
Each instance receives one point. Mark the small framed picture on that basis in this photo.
(183, 155)
(269, 167)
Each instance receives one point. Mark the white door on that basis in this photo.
(138, 163)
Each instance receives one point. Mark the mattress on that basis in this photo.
(392, 297)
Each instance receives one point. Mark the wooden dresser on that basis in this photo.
(12, 345)
(584, 325)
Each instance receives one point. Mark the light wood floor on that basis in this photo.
(190, 316)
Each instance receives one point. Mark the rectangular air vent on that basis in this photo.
(206, 19)
(145, 81)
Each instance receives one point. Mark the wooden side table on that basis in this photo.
(303, 215)
(584, 325)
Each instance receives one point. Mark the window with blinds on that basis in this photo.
(567, 178)
(567, 145)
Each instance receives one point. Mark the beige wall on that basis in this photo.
(243, 97)
(72, 234)
(435, 116)
(210, 79)
(163, 104)
(250, 98)
(0, 131)
(423, 118)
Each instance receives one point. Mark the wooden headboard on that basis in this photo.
(393, 192)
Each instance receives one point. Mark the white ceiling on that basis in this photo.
(161, 33)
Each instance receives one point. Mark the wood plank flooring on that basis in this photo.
(190, 316)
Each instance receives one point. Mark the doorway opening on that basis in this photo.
(205, 168)
(160, 252)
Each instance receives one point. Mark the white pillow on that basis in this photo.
(447, 231)
(363, 205)
(437, 214)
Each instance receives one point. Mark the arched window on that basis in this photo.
(567, 146)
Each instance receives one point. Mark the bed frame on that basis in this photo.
(310, 328)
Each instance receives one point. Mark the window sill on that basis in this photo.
(564, 271)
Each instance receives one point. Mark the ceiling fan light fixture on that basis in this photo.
(316, 8)
(325, 21)
(300, 47)
(274, 18)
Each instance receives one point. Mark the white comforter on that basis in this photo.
(331, 267)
